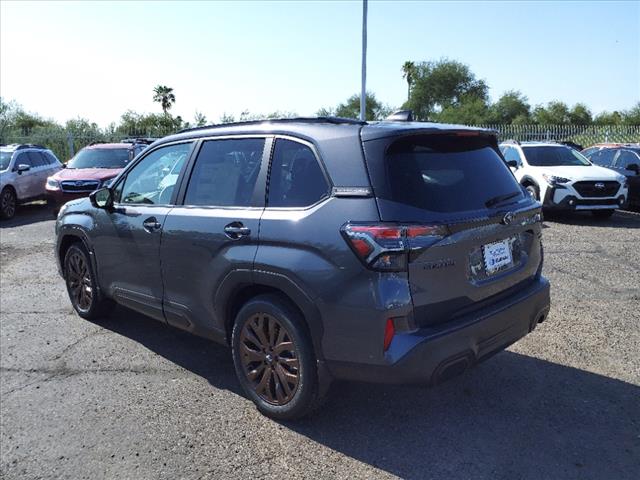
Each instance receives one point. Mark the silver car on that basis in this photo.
(23, 173)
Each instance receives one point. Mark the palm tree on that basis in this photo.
(409, 72)
(164, 96)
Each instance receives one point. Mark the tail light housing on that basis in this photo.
(387, 247)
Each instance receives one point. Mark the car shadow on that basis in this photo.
(620, 219)
(30, 213)
(514, 416)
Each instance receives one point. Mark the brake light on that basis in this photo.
(389, 332)
(387, 247)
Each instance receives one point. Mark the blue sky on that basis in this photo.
(96, 60)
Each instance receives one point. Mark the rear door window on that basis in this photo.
(626, 158)
(447, 173)
(296, 179)
(36, 159)
(225, 173)
(605, 157)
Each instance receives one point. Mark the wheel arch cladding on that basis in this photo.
(274, 284)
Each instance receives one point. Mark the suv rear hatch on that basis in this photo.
(482, 239)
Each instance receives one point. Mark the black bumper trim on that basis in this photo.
(431, 355)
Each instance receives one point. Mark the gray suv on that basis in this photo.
(318, 249)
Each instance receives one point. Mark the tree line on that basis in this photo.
(442, 91)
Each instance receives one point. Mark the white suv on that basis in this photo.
(23, 173)
(563, 179)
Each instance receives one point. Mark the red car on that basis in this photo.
(91, 168)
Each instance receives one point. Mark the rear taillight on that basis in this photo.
(386, 247)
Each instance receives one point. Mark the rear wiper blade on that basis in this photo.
(500, 198)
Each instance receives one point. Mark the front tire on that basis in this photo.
(82, 285)
(602, 214)
(533, 191)
(274, 359)
(8, 203)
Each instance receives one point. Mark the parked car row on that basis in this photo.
(624, 159)
(33, 172)
(561, 178)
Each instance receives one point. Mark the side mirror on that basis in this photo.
(634, 168)
(512, 164)
(23, 168)
(101, 198)
(63, 165)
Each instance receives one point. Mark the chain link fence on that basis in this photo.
(583, 135)
(66, 143)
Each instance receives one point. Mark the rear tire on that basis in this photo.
(274, 358)
(8, 203)
(82, 285)
(602, 214)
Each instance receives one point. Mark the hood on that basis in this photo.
(578, 173)
(86, 173)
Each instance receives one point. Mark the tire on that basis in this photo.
(602, 214)
(533, 191)
(8, 203)
(82, 285)
(283, 383)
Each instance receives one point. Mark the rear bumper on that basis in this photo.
(431, 355)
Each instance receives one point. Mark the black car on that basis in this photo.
(624, 159)
(318, 249)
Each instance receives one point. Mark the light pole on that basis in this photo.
(363, 91)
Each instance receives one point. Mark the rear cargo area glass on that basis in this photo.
(447, 173)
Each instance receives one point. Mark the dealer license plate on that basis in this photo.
(497, 255)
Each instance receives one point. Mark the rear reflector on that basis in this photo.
(389, 332)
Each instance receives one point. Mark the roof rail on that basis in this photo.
(332, 120)
(30, 145)
(134, 140)
(97, 142)
(401, 116)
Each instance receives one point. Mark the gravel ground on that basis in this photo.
(130, 398)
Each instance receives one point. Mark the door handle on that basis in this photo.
(151, 224)
(236, 230)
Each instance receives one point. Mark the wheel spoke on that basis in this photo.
(271, 329)
(258, 329)
(289, 362)
(262, 386)
(251, 355)
(283, 347)
(255, 373)
(285, 378)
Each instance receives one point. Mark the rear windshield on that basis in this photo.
(101, 158)
(446, 173)
(554, 157)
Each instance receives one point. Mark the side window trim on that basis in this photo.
(258, 198)
(318, 157)
(122, 177)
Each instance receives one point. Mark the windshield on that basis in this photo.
(100, 158)
(554, 157)
(5, 160)
(449, 174)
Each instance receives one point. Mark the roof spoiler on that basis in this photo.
(401, 116)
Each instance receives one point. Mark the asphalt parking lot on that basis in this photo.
(130, 398)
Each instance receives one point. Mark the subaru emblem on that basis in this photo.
(599, 185)
(508, 218)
